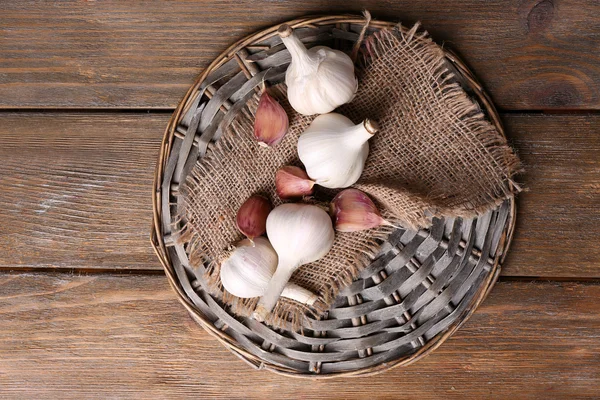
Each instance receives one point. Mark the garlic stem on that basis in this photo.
(359, 134)
(296, 48)
(276, 285)
(299, 294)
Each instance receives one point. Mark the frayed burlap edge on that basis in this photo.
(468, 112)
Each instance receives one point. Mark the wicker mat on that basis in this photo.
(435, 154)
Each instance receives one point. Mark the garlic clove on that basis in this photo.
(354, 211)
(252, 216)
(300, 234)
(292, 182)
(248, 269)
(334, 150)
(319, 79)
(270, 122)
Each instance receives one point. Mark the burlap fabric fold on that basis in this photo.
(435, 154)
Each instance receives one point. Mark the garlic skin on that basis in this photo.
(300, 234)
(270, 121)
(247, 271)
(251, 218)
(319, 79)
(292, 182)
(334, 150)
(354, 211)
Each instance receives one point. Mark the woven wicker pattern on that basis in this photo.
(421, 286)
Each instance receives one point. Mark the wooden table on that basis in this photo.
(86, 89)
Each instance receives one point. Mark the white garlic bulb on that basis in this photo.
(319, 79)
(334, 150)
(300, 234)
(248, 270)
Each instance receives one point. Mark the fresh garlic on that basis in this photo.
(334, 150)
(319, 79)
(292, 182)
(300, 234)
(251, 218)
(270, 122)
(353, 211)
(247, 271)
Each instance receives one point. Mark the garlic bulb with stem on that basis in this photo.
(319, 79)
(251, 218)
(353, 211)
(248, 269)
(300, 234)
(334, 150)
(292, 182)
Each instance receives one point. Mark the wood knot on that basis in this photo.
(540, 16)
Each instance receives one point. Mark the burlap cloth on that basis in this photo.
(435, 154)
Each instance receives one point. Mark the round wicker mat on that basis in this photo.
(419, 289)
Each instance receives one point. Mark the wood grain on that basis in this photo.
(145, 54)
(75, 192)
(104, 336)
(558, 222)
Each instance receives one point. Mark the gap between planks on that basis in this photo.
(71, 272)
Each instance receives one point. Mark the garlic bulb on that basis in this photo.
(270, 122)
(300, 234)
(247, 271)
(334, 150)
(319, 79)
(251, 218)
(353, 211)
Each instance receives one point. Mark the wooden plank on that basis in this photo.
(558, 223)
(145, 54)
(75, 192)
(67, 336)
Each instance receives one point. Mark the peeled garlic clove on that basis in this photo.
(251, 218)
(248, 269)
(300, 234)
(292, 182)
(319, 79)
(334, 150)
(354, 211)
(270, 122)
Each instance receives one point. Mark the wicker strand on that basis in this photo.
(419, 288)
